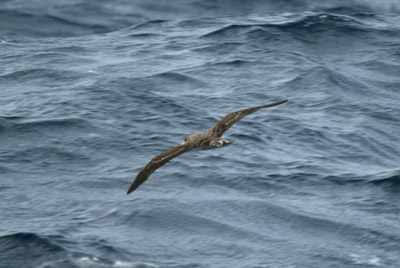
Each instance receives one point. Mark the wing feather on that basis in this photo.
(156, 163)
(230, 119)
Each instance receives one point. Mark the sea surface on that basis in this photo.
(90, 91)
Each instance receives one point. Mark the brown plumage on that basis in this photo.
(209, 139)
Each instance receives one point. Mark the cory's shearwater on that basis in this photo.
(209, 139)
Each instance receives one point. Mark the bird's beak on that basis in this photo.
(226, 143)
(183, 143)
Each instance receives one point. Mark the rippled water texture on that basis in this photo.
(90, 91)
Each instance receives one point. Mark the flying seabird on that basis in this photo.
(209, 139)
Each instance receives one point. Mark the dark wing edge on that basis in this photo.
(230, 119)
(156, 163)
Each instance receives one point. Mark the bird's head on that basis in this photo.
(192, 139)
(220, 142)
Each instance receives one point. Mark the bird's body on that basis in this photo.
(205, 141)
(209, 139)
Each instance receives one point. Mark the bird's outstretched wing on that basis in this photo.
(156, 163)
(225, 123)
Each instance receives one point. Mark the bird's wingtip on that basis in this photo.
(276, 103)
(130, 190)
(281, 102)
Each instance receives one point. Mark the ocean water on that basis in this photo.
(90, 91)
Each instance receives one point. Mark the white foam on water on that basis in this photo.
(94, 262)
(373, 260)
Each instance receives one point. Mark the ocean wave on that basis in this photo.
(352, 10)
(23, 126)
(47, 252)
(59, 123)
(30, 240)
(83, 18)
(390, 182)
(5, 170)
(147, 25)
(53, 20)
(39, 76)
(18, 249)
(382, 66)
(26, 24)
(297, 23)
(177, 77)
(44, 156)
(94, 262)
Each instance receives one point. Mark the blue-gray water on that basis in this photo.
(90, 91)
